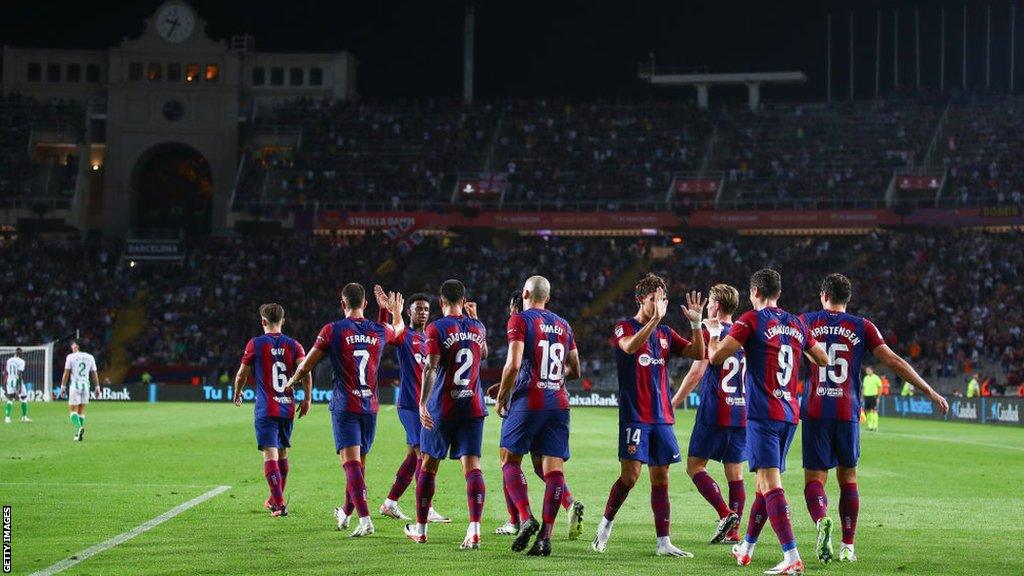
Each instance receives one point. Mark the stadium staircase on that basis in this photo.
(624, 283)
(131, 320)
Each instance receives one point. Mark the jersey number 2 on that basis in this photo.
(464, 357)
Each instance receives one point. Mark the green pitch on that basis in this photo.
(936, 498)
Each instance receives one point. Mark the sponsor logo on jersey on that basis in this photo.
(734, 401)
(459, 394)
(831, 391)
(646, 360)
(782, 394)
(283, 399)
(619, 331)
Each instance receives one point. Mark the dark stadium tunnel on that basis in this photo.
(172, 188)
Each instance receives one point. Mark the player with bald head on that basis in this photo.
(574, 508)
(533, 401)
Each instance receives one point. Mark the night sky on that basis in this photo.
(574, 48)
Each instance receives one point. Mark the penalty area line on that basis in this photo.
(126, 536)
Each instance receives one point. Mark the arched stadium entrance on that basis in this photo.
(172, 187)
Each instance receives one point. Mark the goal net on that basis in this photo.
(38, 374)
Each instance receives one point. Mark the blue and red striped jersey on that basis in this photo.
(644, 394)
(722, 399)
(457, 393)
(411, 359)
(833, 391)
(774, 341)
(547, 340)
(274, 358)
(354, 346)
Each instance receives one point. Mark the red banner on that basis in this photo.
(508, 220)
(794, 219)
(696, 186)
(804, 219)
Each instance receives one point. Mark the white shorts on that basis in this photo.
(78, 396)
(13, 391)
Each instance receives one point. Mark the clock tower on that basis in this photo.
(172, 88)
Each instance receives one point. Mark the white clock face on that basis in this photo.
(175, 22)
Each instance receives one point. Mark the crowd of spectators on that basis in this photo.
(828, 155)
(983, 151)
(949, 300)
(559, 153)
(19, 115)
(202, 313)
(51, 290)
(355, 154)
(562, 154)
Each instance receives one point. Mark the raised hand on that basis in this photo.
(660, 303)
(713, 325)
(694, 308)
(382, 297)
(394, 302)
(470, 308)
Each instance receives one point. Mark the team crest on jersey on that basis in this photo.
(631, 448)
(664, 342)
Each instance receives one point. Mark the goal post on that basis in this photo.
(38, 375)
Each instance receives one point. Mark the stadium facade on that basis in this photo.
(172, 92)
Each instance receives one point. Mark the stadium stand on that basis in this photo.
(356, 154)
(840, 155)
(27, 177)
(983, 152)
(561, 154)
(51, 289)
(202, 316)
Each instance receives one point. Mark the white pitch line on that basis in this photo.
(105, 485)
(126, 536)
(954, 441)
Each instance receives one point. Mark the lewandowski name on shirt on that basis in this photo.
(462, 337)
(782, 329)
(361, 339)
(844, 332)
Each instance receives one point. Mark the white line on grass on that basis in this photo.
(105, 485)
(954, 441)
(126, 536)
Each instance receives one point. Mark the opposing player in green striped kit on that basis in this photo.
(14, 378)
(79, 371)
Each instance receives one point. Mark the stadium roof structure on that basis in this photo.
(702, 81)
